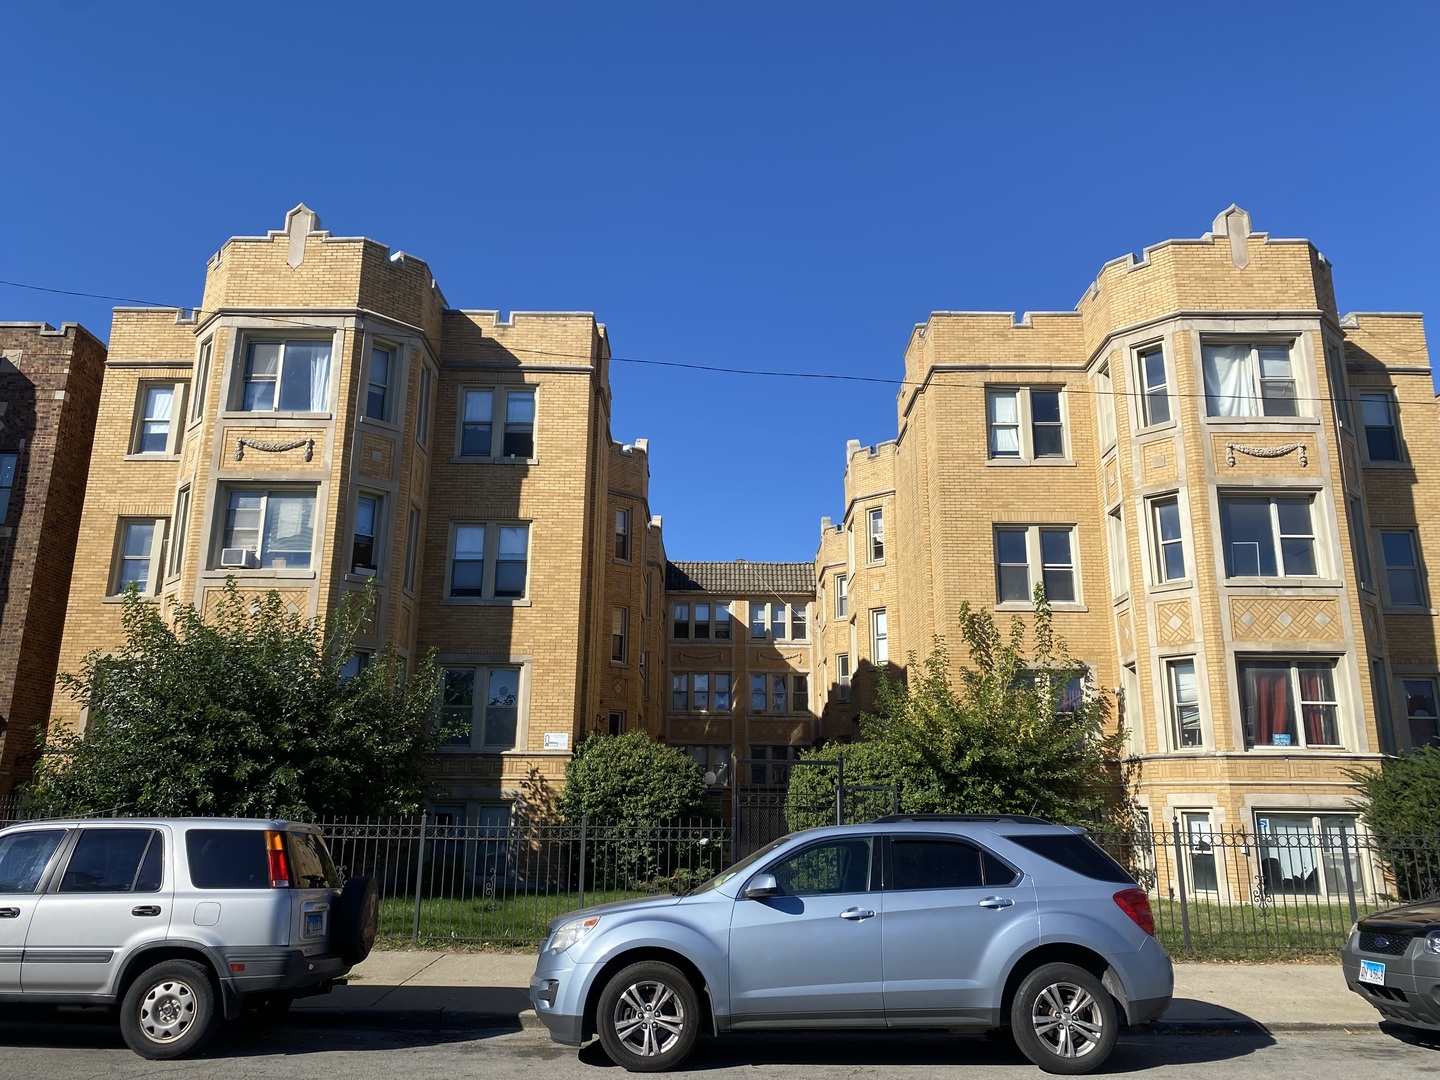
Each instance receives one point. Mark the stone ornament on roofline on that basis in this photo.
(280, 447)
(1231, 449)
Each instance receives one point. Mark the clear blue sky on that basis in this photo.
(773, 186)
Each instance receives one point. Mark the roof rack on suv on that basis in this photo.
(1014, 819)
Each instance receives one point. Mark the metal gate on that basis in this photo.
(761, 811)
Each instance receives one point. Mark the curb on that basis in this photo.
(1246, 1027)
(424, 1019)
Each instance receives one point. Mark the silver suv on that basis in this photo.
(179, 921)
(1006, 924)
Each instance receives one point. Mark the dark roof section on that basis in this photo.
(740, 577)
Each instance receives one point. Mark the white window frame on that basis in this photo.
(175, 558)
(501, 424)
(1182, 704)
(490, 559)
(377, 504)
(1025, 424)
(619, 635)
(1335, 375)
(1119, 552)
(1162, 545)
(1105, 407)
(1277, 538)
(412, 548)
(713, 759)
(879, 637)
(1360, 543)
(478, 740)
(385, 386)
(622, 534)
(701, 692)
(243, 379)
(875, 536)
(1421, 725)
(1414, 569)
(1385, 399)
(264, 556)
(151, 560)
(1035, 566)
(1254, 392)
(202, 380)
(842, 677)
(1298, 739)
(173, 420)
(778, 621)
(1151, 394)
(842, 596)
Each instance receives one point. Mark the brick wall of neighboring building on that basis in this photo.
(49, 390)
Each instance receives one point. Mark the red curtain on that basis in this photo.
(1270, 701)
(1313, 688)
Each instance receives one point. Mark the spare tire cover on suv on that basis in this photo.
(357, 914)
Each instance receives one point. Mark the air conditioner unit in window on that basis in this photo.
(238, 558)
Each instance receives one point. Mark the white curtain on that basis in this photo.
(1005, 424)
(319, 378)
(1227, 381)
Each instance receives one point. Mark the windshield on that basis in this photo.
(740, 867)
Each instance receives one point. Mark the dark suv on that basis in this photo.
(179, 921)
(981, 923)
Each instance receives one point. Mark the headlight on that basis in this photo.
(1432, 941)
(571, 932)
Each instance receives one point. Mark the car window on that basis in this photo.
(227, 859)
(837, 866)
(24, 856)
(311, 863)
(1075, 852)
(113, 860)
(740, 867)
(934, 864)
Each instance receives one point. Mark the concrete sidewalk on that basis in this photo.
(491, 990)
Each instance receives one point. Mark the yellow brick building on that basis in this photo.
(1220, 481)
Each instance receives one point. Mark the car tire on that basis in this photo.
(648, 1017)
(357, 914)
(169, 1011)
(1063, 1020)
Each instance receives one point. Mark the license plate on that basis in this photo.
(315, 925)
(1372, 971)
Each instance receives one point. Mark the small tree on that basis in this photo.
(246, 714)
(1009, 737)
(1401, 807)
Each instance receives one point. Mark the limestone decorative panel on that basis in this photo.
(293, 601)
(1112, 481)
(779, 731)
(1263, 455)
(697, 731)
(1157, 462)
(1284, 618)
(1126, 627)
(377, 456)
(1175, 622)
(270, 449)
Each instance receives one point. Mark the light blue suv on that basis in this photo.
(937, 921)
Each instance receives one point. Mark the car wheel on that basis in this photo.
(357, 914)
(649, 1017)
(169, 1011)
(1063, 1020)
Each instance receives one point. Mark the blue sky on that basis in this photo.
(773, 186)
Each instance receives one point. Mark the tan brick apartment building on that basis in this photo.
(49, 391)
(1221, 482)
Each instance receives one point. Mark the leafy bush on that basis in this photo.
(1401, 808)
(631, 780)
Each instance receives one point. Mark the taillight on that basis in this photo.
(1136, 904)
(279, 862)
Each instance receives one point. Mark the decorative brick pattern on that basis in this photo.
(1260, 618)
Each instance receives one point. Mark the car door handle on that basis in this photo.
(9, 912)
(997, 902)
(855, 914)
(146, 909)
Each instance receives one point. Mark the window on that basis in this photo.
(480, 707)
(1335, 370)
(8, 463)
(1360, 545)
(270, 528)
(1067, 697)
(479, 436)
(779, 694)
(842, 677)
(757, 693)
(777, 772)
(489, 561)
(699, 691)
(829, 868)
(24, 857)
(1132, 712)
(694, 622)
(355, 663)
(178, 533)
(1025, 424)
(1023, 553)
(377, 399)
(1169, 544)
(1402, 569)
(1289, 703)
(879, 637)
(939, 864)
(422, 406)
(1382, 433)
(617, 722)
(286, 376)
(619, 631)
(1249, 379)
(365, 551)
(158, 405)
(1380, 692)
(138, 561)
(842, 596)
(1105, 406)
(875, 530)
(714, 762)
(1199, 850)
(115, 861)
(1268, 536)
(1422, 711)
(779, 621)
(1184, 702)
(1154, 386)
(412, 548)
(799, 693)
(622, 535)
(202, 381)
(1301, 854)
(1119, 554)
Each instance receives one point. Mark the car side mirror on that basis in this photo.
(761, 886)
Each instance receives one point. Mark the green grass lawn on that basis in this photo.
(509, 920)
